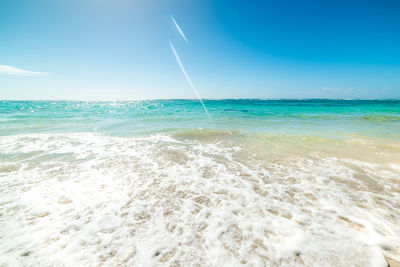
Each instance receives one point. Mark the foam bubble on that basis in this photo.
(90, 199)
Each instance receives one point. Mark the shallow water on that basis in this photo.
(148, 183)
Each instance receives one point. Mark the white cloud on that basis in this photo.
(341, 90)
(9, 70)
(328, 89)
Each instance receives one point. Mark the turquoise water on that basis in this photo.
(133, 118)
(156, 183)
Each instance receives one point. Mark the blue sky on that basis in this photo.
(119, 49)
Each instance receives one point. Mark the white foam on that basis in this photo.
(91, 199)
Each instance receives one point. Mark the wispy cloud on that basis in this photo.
(333, 90)
(9, 70)
(330, 89)
(179, 29)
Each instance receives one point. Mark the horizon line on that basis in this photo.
(196, 99)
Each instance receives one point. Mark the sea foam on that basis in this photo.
(188, 199)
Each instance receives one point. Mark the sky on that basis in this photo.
(121, 49)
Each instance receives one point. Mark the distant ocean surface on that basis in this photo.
(157, 183)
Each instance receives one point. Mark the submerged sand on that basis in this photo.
(393, 263)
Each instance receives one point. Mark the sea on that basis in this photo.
(159, 183)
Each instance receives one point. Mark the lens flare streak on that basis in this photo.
(179, 29)
(188, 79)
